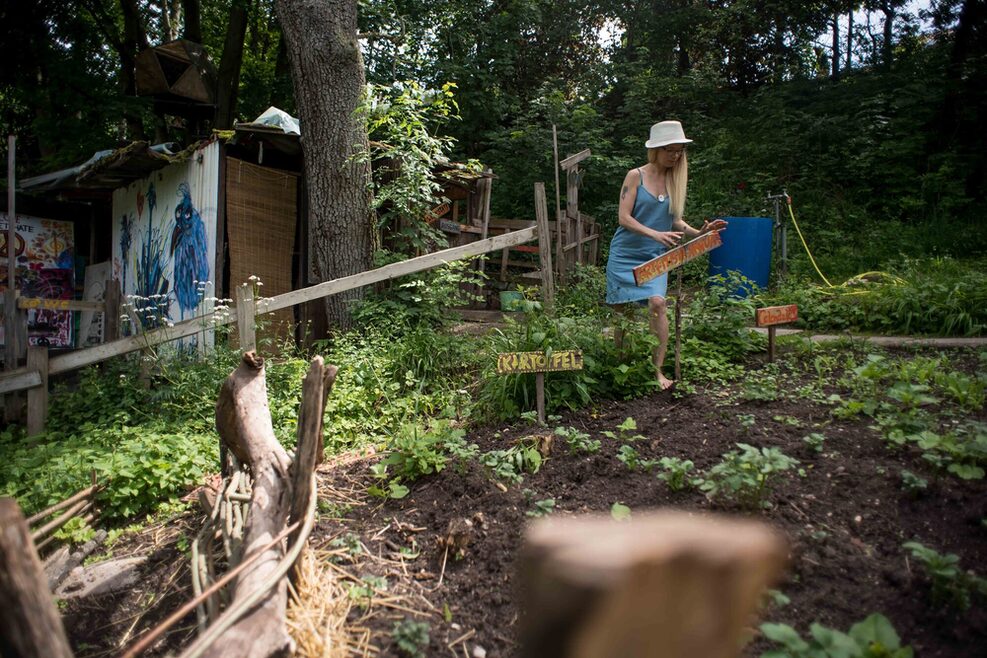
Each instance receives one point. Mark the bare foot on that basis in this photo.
(665, 382)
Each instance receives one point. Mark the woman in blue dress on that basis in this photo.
(652, 202)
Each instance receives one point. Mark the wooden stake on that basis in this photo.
(246, 318)
(659, 585)
(678, 326)
(544, 248)
(558, 205)
(540, 396)
(37, 397)
(111, 314)
(29, 623)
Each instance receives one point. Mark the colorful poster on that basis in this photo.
(45, 254)
(164, 240)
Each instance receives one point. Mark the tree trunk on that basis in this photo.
(230, 64)
(328, 77)
(193, 21)
(836, 46)
(849, 41)
(887, 48)
(134, 41)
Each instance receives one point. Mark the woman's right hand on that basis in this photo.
(668, 238)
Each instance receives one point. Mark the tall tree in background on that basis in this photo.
(328, 76)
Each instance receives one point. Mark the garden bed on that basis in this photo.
(845, 508)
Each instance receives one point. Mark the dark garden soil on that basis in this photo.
(845, 519)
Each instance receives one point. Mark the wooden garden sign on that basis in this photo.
(770, 317)
(514, 363)
(675, 257)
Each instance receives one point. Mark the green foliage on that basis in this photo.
(814, 441)
(620, 512)
(541, 508)
(578, 441)
(675, 472)
(746, 476)
(623, 433)
(510, 465)
(411, 637)
(873, 637)
(402, 120)
(950, 583)
(630, 458)
(912, 483)
(414, 452)
(933, 296)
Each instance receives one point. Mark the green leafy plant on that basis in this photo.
(912, 483)
(578, 442)
(630, 458)
(620, 512)
(541, 508)
(675, 472)
(511, 464)
(814, 441)
(411, 637)
(746, 476)
(874, 637)
(623, 433)
(950, 583)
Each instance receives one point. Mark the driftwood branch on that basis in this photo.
(29, 623)
(243, 420)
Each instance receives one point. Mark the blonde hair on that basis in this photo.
(676, 181)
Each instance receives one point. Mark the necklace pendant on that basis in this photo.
(661, 198)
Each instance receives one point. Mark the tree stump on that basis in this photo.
(660, 585)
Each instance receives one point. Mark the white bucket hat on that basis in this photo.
(665, 133)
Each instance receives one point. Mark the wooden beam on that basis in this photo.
(29, 623)
(19, 379)
(395, 270)
(544, 248)
(573, 160)
(9, 308)
(37, 397)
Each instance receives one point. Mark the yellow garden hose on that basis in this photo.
(840, 289)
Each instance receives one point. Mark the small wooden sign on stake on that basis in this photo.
(515, 363)
(675, 257)
(770, 316)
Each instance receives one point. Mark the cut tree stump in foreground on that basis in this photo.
(660, 585)
(29, 623)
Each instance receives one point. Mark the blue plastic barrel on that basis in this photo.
(746, 249)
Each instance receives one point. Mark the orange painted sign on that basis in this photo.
(676, 257)
(436, 212)
(509, 363)
(49, 304)
(771, 315)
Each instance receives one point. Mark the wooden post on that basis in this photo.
(658, 585)
(544, 248)
(10, 296)
(678, 326)
(572, 213)
(246, 315)
(111, 314)
(558, 206)
(37, 397)
(770, 317)
(540, 396)
(29, 622)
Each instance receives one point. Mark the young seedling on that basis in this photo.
(814, 441)
(623, 433)
(541, 508)
(411, 637)
(632, 460)
(675, 472)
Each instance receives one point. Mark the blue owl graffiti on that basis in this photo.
(189, 252)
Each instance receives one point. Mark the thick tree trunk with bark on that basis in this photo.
(328, 77)
(230, 64)
(134, 41)
(193, 23)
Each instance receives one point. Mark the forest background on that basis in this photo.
(867, 113)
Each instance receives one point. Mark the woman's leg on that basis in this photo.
(658, 321)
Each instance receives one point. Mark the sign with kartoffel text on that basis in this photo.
(771, 315)
(509, 363)
(675, 257)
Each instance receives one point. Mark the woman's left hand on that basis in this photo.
(715, 225)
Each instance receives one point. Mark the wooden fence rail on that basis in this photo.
(30, 378)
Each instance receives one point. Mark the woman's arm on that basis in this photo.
(628, 194)
(690, 232)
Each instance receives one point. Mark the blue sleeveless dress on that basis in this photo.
(629, 249)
